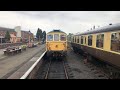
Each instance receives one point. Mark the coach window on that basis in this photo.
(78, 40)
(49, 37)
(90, 40)
(81, 39)
(115, 42)
(56, 37)
(73, 39)
(63, 37)
(100, 40)
(85, 40)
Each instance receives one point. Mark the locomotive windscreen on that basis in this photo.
(49, 37)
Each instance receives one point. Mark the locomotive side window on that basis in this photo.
(115, 42)
(49, 37)
(63, 37)
(56, 37)
(81, 39)
(100, 40)
(90, 40)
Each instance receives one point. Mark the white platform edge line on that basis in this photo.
(32, 67)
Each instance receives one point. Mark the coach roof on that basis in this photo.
(108, 28)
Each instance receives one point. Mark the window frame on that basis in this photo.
(52, 37)
(115, 40)
(58, 37)
(85, 41)
(99, 41)
(82, 39)
(90, 44)
(65, 37)
(77, 39)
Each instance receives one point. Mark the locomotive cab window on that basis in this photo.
(90, 40)
(50, 37)
(115, 42)
(63, 37)
(100, 40)
(56, 37)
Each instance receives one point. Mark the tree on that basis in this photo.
(44, 36)
(7, 36)
(39, 34)
(69, 36)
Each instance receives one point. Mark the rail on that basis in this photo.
(49, 70)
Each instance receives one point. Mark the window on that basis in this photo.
(85, 39)
(56, 37)
(81, 39)
(90, 40)
(49, 37)
(75, 39)
(78, 40)
(63, 37)
(100, 40)
(115, 42)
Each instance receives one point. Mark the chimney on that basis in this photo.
(93, 27)
(110, 24)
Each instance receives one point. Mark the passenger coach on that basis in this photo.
(102, 43)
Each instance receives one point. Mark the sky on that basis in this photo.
(67, 21)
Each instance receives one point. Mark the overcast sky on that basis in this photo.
(67, 21)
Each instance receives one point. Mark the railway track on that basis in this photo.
(56, 70)
(53, 69)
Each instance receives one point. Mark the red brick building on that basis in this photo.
(25, 35)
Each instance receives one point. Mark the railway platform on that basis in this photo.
(26, 67)
(2, 54)
(10, 64)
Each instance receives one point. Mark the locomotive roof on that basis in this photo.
(108, 28)
(56, 31)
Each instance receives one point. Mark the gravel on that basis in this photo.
(81, 70)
